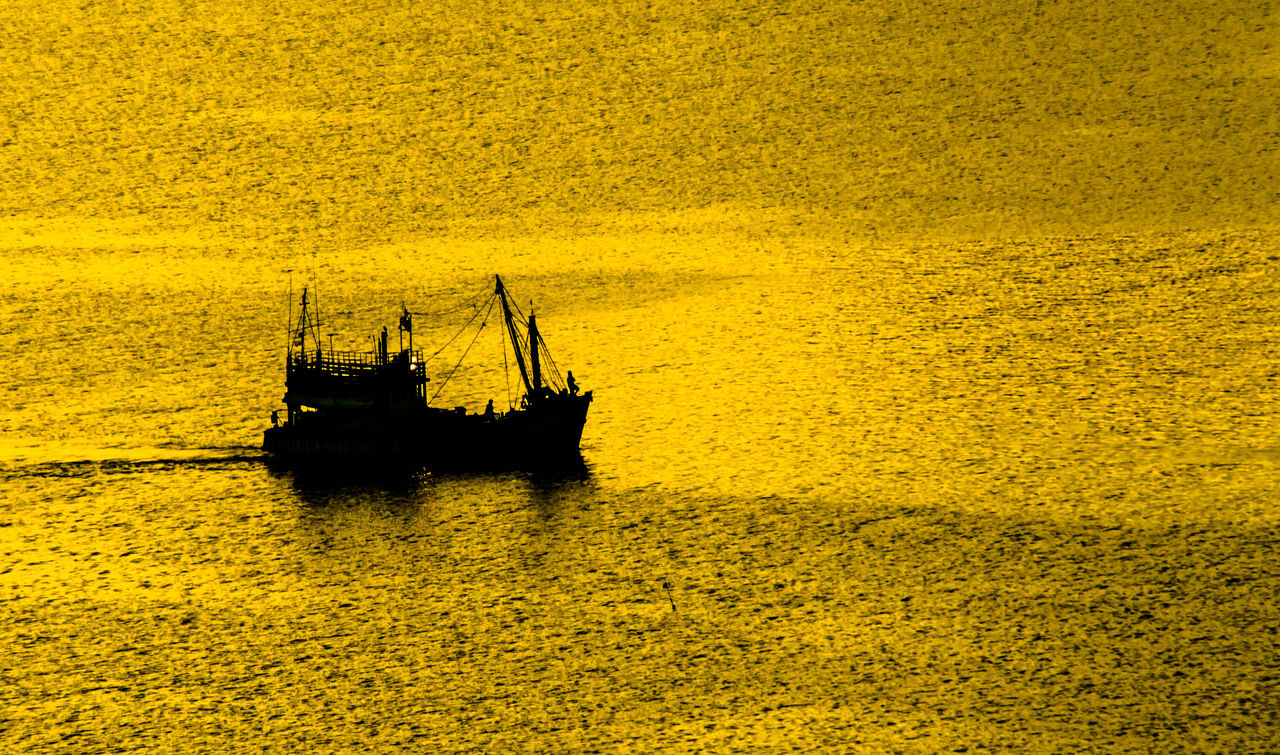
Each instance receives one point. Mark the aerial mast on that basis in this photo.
(302, 326)
(536, 368)
(501, 291)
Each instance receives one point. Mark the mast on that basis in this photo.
(315, 299)
(302, 326)
(536, 368)
(501, 291)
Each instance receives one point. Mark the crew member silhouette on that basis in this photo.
(573, 384)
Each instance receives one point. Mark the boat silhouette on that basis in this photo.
(373, 407)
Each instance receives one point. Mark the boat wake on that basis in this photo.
(89, 462)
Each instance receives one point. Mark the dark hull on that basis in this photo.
(549, 430)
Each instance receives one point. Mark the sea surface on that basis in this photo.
(935, 351)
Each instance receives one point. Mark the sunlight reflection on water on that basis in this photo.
(1016, 513)
(933, 351)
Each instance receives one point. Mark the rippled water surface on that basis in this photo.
(934, 354)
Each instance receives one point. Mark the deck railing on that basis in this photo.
(356, 364)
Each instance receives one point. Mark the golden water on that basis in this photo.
(934, 352)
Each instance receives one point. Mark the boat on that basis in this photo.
(374, 408)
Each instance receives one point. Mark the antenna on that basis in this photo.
(316, 297)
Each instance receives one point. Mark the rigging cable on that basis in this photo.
(519, 317)
(461, 330)
(464, 354)
(468, 304)
(522, 345)
(559, 379)
(506, 371)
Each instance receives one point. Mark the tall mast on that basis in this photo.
(533, 354)
(302, 326)
(501, 291)
(315, 298)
